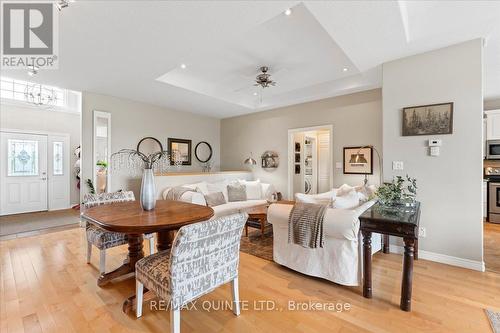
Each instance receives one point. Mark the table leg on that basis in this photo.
(386, 244)
(135, 253)
(407, 274)
(367, 264)
(415, 254)
(165, 240)
(262, 226)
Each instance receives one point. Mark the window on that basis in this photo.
(24, 91)
(57, 161)
(22, 158)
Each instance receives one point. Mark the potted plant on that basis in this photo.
(401, 191)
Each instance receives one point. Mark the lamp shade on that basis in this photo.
(250, 160)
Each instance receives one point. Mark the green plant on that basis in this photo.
(399, 191)
(102, 164)
(90, 185)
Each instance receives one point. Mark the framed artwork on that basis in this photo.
(180, 151)
(297, 158)
(270, 159)
(428, 119)
(297, 169)
(358, 160)
(297, 147)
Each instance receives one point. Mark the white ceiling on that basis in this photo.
(134, 49)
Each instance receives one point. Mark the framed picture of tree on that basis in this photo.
(428, 119)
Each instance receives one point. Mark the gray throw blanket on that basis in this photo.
(305, 225)
(176, 193)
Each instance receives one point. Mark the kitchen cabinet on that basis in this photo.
(492, 124)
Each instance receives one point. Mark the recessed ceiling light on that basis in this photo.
(183, 66)
(345, 69)
(288, 12)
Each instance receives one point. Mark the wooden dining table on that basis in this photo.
(131, 219)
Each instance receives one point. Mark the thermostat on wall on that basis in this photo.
(434, 143)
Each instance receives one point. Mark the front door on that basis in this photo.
(23, 173)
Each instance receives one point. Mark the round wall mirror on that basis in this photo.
(149, 145)
(203, 152)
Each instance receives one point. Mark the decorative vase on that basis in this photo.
(148, 190)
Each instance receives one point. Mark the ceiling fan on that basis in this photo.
(264, 79)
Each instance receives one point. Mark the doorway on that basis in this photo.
(34, 172)
(310, 160)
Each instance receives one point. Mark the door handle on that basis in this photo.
(43, 178)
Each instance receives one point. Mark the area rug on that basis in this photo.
(494, 318)
(20, 223)
(256, 245)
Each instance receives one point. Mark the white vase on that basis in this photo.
(148, 190)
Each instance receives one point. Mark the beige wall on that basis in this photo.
(450, 186)
(131, 121)
(28, 118)
(356, 120)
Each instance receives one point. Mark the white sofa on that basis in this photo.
(340, 260)
(202, 188)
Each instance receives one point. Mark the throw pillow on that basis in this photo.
(199, 187)
(218, 187)
(215, 199)
(253, 189)
(236, 192)
(321, 199)
(344, 190)
(348, 201)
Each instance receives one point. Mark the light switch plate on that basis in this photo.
(338, 165)
(397, 165)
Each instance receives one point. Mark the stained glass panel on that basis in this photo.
(58, 159)
(22, 158)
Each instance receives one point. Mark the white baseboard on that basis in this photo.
(443, 258)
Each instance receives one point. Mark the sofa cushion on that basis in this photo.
(322, 198)
(253, 189)
(200, 187)
(215, 199)
(236, 207)
(347, 201)
(219, 187)
(267, 191)
(236, 192)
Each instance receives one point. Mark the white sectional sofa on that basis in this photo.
(255, 198)
(340, 260)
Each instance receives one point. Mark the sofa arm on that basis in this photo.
(338, 223)
(189, 196)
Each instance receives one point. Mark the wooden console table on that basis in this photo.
(400, 222)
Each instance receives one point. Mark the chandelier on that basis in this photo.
(40, 95)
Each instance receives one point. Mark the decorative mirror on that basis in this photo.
(101, 151)
(203, 151)
(180, 151)
(149, 145)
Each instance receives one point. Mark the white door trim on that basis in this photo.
(95, 115)
(291, 147)
(67, 159)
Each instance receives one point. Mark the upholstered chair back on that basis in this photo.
(92, 200)
(204, 256)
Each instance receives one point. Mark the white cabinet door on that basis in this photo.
(493, 125)
(23, 173)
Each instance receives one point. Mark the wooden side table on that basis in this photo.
(257, 218)
(401, 222)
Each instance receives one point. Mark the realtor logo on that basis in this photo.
(29, 34)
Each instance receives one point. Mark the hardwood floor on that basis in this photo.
(492, 246)
(46, 286)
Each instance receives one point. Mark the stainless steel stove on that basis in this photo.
(492, 174)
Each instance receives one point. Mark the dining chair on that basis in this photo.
(203, 256)
(103, 239)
